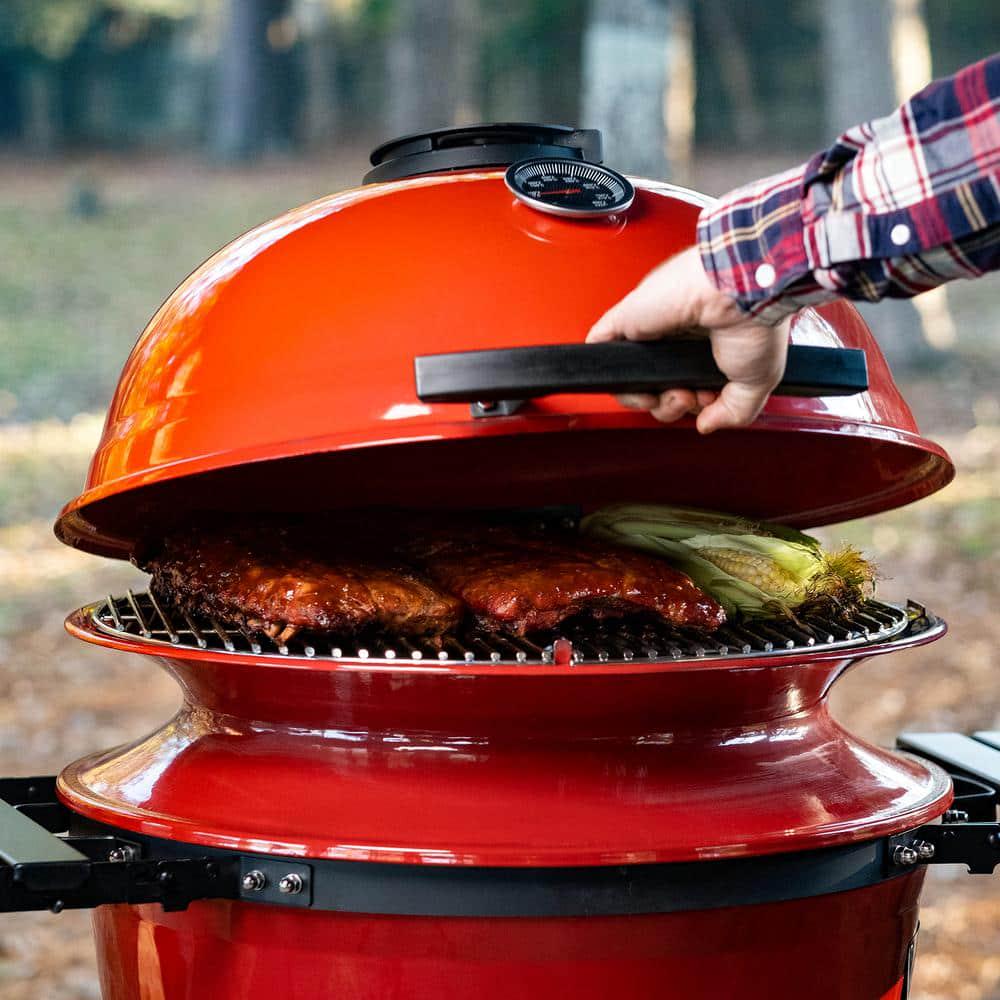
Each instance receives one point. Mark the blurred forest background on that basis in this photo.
(137, 136)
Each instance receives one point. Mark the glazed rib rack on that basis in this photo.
(636, 638)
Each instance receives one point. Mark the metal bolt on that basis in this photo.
(904, 855)
(291, 884)
(955, 816)
(124, 853)
(253, 881)
(925, 849)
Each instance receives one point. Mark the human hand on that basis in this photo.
(677, 297)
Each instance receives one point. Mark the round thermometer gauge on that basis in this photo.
(569, 187)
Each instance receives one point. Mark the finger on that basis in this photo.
(638, 400)
(673, 404)
(606, 328)
(737, 406)
(706, 397)
(662, 304)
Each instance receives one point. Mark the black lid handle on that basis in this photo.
(519, 373)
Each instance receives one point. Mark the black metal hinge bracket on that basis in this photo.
(976, 845)
(968, 833)
(496, 408)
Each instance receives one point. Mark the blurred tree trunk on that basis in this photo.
(320, 106)
(627, 46)
(244, 109)
(39, 115)
(185, 79)
(858, 62)
(420, 56)
(679, 95)
(735, 70)
(513, 89)
(467, 34)
(860, 85)
(912, 70)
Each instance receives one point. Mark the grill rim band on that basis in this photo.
(371, 887)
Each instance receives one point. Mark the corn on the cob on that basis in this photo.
(751, 568)
(762, 571)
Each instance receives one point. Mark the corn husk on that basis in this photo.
(752, 568)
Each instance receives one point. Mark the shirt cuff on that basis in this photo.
(845, 236)
(752, 246)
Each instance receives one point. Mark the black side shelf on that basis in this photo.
(968, 832)
(55, 860)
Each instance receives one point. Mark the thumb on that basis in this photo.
(736, 406)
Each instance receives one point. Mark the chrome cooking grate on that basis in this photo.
(577, 640)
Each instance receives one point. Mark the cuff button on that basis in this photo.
(764, 275)
(900, 234)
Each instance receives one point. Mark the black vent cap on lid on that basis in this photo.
(469, 146)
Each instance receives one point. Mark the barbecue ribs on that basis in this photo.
(280, 581)
(520, 581)
(411, 575)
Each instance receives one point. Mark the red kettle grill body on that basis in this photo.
(699, 828)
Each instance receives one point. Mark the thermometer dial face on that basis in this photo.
(569, 187)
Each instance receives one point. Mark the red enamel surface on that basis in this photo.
(298, 339)
(845, 946)
(517, 766)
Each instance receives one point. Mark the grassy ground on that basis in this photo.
(73, 294)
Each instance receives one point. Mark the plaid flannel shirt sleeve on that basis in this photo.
(896, 206)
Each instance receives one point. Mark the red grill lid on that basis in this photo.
(279, 376)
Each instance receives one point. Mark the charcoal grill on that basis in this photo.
(611, 809)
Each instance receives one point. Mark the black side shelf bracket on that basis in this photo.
(52, 859)
(968, 833)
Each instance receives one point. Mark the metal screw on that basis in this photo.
(925, 849)
(253, 881)
(124, 853)
(955, 816)
(904, 855)
(291, 884)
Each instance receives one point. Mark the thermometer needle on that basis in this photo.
(546, 194)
